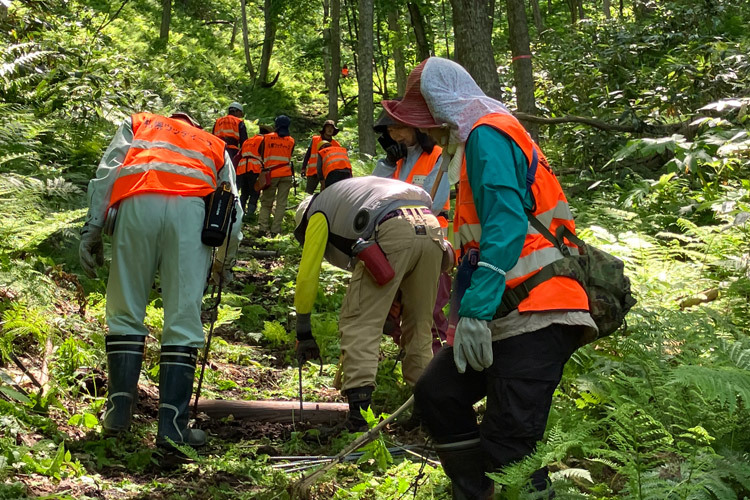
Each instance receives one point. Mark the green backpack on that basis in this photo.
(602, 275)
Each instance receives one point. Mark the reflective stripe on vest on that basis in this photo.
(421, 170)
(551, 207)
(334, 158)
(251, 160)
(168, 157)
(311, 167)
(228, 129)
(277, 154)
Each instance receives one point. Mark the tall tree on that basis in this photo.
(245, 41)
(538, 16)
(270, 11)
(520, 48)
(420, 33)
(364, 77)
(472, 25)
(166, 19)
(335, 50)
(397, 44)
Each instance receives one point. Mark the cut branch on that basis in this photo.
(299, 489)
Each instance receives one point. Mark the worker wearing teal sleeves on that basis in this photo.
(155, 173)
(513, 357)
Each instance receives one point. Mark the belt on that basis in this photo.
(403, 212)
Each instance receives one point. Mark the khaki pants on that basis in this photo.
(277, 192)
(416, 259)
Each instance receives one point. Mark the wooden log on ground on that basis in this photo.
(284, 412)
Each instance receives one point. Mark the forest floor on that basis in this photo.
(243, 366)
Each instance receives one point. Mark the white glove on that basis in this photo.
(91, 250)
(219, 271)
(472, 344)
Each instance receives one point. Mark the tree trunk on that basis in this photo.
(607, 9)
(573, 11)
(398, 55)
(326, 44)
(417, 21)
(473, 32)
(335, 31)
(286, 412)
(234, 34)
(538, 16)
(351, 23)
(581, 13)
(268, 40)
(445, 29)
(382, 80)
(364, 78)
(166, 19)
(245, 41)
(523, 75)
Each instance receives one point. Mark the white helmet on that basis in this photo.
(237, 106)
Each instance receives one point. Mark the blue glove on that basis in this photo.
(472, 344)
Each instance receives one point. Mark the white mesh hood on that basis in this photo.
(454, 97)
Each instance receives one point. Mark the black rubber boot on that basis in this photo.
(176, 374)
(124, 359)
(465, 463)
(358, 398)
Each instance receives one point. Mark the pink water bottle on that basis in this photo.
(375, 261)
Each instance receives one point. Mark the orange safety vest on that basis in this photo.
(228, 129)
(559, 293)
(311, 168)
(251, 160)
(334, 158)
(169, 157)
(277, 155)
(419, 172)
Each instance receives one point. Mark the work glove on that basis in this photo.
(306, 348)
(393, 150)
(220, 272)
(91, 250)
(472, 344)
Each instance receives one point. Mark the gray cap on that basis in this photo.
(237, 106)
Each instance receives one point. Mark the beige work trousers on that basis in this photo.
(416, 259)
(277, 192)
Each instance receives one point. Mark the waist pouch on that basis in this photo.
(264, 180)
(220, 214)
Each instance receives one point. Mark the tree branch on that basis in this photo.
(299, 489)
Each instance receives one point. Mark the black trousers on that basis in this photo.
(312, 183)
(338, 175)
(519, 385)
(248, 195)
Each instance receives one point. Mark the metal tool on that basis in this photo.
(300, 390)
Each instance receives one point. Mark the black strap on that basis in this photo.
(512, 297)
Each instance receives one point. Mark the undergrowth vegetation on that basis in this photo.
(660, 411)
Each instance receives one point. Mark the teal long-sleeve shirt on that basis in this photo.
(496, 168)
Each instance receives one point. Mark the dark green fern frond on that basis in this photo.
(718, 383)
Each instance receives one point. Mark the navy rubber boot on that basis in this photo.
(124, 359)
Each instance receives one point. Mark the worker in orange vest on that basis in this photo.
(310, 162)
(513, 355)
(248, 169)
(149, 187)
(345, 71)
(277, 150)
(333, 164)
(412, 156)
(231, 129)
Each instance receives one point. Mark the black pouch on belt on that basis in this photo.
(219, 215)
